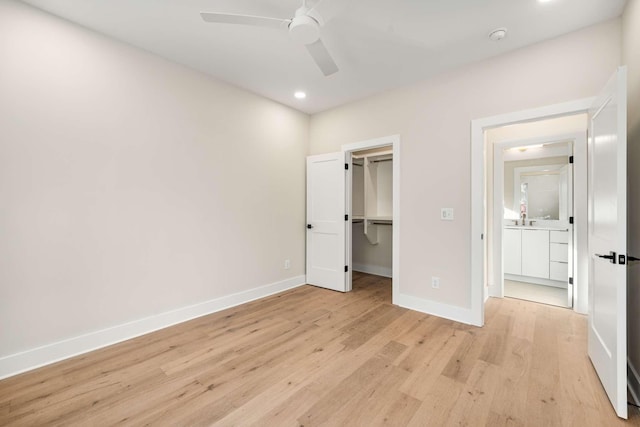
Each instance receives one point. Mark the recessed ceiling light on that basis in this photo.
(544, 1)
(498, 34)
(300, 94)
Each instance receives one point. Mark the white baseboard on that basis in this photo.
(633, 382)
(31, 359)
(537, 281)
(458, 314)
(373, 269)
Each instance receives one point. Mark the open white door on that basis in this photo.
(607, 151)
(326, 225)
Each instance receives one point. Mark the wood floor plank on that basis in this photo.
(310, 357)
(438, 401)
(397, 410)
(473, 405)
(510, 401)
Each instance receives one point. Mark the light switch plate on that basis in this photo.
(446, 214)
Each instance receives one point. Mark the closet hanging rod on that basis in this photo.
(358, 164)
(383, 160)
(381, 223)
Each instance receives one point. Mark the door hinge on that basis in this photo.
(571, 280)
(346, 166)
(482, 236)
(570, 159)
(346, 268)
(346, 217)
(570, 220)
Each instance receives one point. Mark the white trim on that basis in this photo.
(394, 141)
(373, 269)
(633, 382)
(451, 312)
(31, 359)
(478, 196)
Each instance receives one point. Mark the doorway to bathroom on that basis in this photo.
(535, 219)
(537, 227)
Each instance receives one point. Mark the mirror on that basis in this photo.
(540, 191)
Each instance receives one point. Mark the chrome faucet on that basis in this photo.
(524, 218)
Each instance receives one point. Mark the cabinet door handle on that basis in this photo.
(611, 257)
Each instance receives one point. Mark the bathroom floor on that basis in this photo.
(536, 293)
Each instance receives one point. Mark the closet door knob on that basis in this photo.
(309, 226)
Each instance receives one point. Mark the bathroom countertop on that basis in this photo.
(534, 227)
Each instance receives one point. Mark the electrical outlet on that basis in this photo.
(435, 282)
(287, 264)
(446, 214)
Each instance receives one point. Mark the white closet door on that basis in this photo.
(326, 225)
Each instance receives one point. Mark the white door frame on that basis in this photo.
(580, 250)
(348, 149)
(478, 195)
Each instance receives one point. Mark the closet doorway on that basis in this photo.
(330, 211)
(372, 200)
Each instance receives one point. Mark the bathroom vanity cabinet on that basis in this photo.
(536, 253)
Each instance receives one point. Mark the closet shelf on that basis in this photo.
(379, 218)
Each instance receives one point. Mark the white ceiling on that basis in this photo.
(377, 44)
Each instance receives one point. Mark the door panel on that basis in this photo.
(326, 242)
(512, 242)
(535, 253)
(607, 152)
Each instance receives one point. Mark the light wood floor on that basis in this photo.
(312, 357)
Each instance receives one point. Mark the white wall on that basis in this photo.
(631, 47)
(132, 186)
(433, 119)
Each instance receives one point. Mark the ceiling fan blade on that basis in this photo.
(256, 21)
(323, 59)
(328, 9)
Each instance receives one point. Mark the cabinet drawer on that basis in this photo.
(558, 252)
(559, 271)
(559, 237)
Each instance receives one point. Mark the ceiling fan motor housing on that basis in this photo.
(304, 29)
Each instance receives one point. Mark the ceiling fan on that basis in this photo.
(303, 28)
